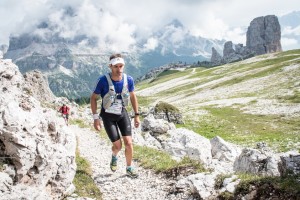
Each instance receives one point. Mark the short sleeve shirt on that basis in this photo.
(102, 85)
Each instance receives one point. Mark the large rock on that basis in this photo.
(156, 126)
(38, 147)
(290, 163)
(224, 151)
(229, 54)
(183, 142)
(257, 162)
(216, 58)
(37, 86)
(264, 34)
(202, 184)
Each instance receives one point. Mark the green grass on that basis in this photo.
(161, 162)
(79, 122)
(278, 64)
(162, 78)
(287, 186)
(246, 129)
(145, 100)
(167, 72)
(85, 186)
(287, 53)
(294, 98)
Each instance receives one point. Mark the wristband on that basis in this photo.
(136, 114)
(95, 116)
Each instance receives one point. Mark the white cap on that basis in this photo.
(117, 60)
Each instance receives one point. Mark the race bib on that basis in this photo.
(115, 108)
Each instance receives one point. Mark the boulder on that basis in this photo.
(224, 151)
(290, 163)
(257, 162)
(37, 146)
(183, 142)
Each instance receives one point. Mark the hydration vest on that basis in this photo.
(111, 95)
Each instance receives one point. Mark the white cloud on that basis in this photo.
(291, 31)
(118, 23)
(288, 43)
(236, 35)
(151, 44)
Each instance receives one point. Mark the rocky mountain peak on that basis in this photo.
(263, 36)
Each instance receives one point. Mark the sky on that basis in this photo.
(122, 23)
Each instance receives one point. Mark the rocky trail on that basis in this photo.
(116, 185)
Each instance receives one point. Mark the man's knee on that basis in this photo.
(128, 141)
(117, 145)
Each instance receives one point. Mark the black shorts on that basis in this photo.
(65, 116)
(113, 123)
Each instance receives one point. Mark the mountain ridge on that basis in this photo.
(47, 50)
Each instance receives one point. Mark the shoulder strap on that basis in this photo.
(109, 80)
(125, 83)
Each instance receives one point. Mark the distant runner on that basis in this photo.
(64, 110)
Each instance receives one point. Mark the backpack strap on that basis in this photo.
(110, 84)
(125, 84)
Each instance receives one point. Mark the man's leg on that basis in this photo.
(116, 147)
(128, 149)
(129, 154)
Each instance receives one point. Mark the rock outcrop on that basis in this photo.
(37, 85)
(221, 157)
(216, 58)
(263, 36)
(229, 54)
(37, 150)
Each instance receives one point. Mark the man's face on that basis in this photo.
(117, 69)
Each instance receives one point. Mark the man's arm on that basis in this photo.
(97, 124)
(135, 108)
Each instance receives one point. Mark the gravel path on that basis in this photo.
(117, 185)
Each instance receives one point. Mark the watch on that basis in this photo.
(136, 114)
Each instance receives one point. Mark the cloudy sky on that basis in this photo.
(123, 22)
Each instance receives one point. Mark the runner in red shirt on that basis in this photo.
(64, 110)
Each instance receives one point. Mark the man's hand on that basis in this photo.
(136, 121)
(97, 124)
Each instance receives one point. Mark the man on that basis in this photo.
(116, 88)
(64, 110)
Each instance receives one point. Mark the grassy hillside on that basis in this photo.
(255, 100)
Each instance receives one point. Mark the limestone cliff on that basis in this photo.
(37, 151)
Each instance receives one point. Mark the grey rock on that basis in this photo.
(42, 159)
(264, 34)
(229, 54)
(290, 163)
(216, 58)
(257, 162)
(37, 86)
